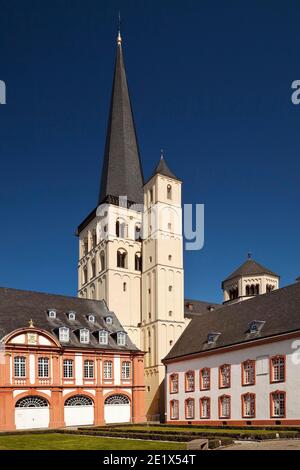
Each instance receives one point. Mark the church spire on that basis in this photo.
(122, 170)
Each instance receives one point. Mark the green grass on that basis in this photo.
(189, 429)
(68, 442)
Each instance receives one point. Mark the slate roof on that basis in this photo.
(17, 307)
(198, 307)
(248, 268)
(163, 169)
(122, 173)
(279, 309)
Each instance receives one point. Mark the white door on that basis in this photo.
(79, 411)
(32, 412)
(117, 409)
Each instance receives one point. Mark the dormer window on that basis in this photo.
(64, 334)
(121, 338)
(212, 338)
(84, 336)
(71, 316)
(52, 313)
(91, 318)
(256, 326)
(103, 337)
(109, 320)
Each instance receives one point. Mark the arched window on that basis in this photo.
(121, 229)
(257, 289)
(85, 275)
(93, 265)
(252, 289)
(138, 262)
(137, 232)
(79, 400)
(169, 191)
(121, 258)
(117, 400)
(32, 402)
(247, 290)
(102, 261)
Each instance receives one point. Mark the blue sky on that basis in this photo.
(210, 83)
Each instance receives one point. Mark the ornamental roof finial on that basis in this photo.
(31, 325)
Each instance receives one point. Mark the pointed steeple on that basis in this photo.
(163, 169)
(122, 173)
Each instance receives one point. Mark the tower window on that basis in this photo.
(102, 261)
(121, 229)
(170, 288)
(94, 239)
(170, 257)
(170, 313)
(137, 230)
(150, 259)
(138, 262)
(93, 264)
(169, 226)
(171, 343)
(234, 293)
(121, 259)
(124, 286)
(149, 315)
(151, 195)
(85, 246)
(84, 275)
(169, 191)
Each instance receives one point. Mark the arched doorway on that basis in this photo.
(79, 411)
(117, 409)
(32, 412)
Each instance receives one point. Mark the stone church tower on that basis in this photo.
(130, 246)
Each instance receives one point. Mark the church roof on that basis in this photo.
(279, 310)
(18, 306)
(248, 268)
(163, 169)
(122, 170)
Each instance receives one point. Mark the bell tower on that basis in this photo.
(162, 279)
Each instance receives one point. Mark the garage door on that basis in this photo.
(32, 412)
(117, 409)
(79, 411)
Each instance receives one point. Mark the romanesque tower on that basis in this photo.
(130, 246)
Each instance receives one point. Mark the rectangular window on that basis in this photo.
(107, 369)
(68, 368)
(224, 407)
(20, 366)
(174, 409)
(205, 379)
(43, 367)
(84, 336)
(224, 376)
(205, 407)
(278, 404)
(88, 369)
(190, 381)
(248, 405)
(277, 369)
(248, 372)
(174, 383)
(126, 369)
(189, 408)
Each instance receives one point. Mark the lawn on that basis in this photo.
(189, 429)
(68, 442)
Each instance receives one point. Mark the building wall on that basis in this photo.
(33, 344)
(261, 354)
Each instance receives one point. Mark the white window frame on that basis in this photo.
(43, 367)
(126, 370)
(52, 313)
(109, 320)
(20, 366)
(121, 338)
(72, 316)
(84, 336)
(68, 369)
(91, 318)
(103, 337)
(64, 334)
(108, 369)
(88, 369)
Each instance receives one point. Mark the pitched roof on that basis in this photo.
(18, 306)
(163, 169)
(198, 307)
(122, 170)
(279, 310)
(248, 268)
